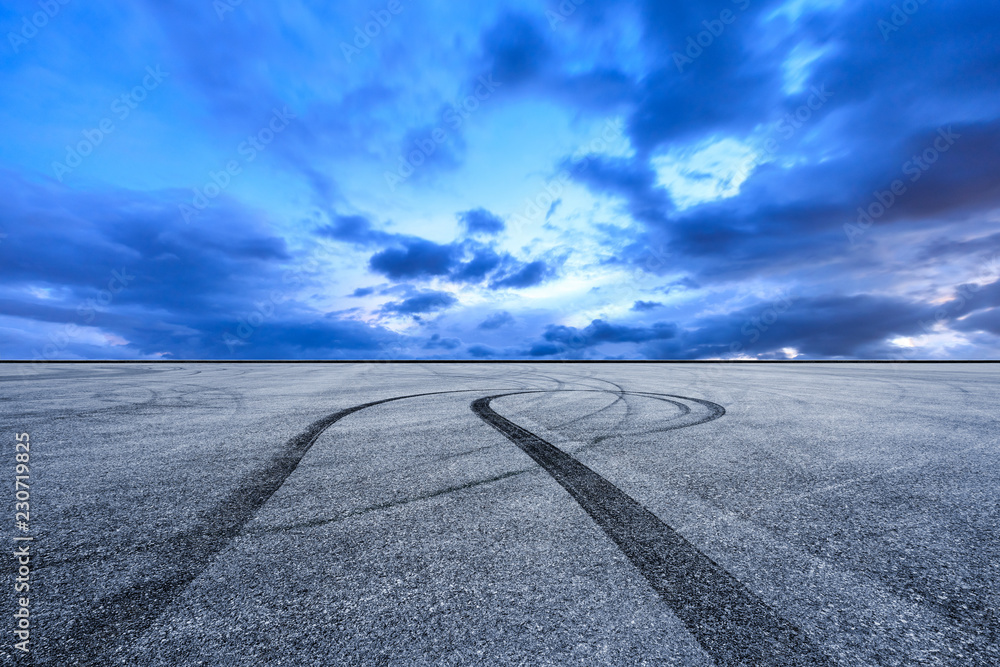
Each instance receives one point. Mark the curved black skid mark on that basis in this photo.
(730, 622)
(119, 619)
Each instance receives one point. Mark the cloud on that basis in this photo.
(483, 261)
(628, 178)
(423, 302)
(515, 49)
(527, 275)
(413, 258)
(599, 332)
(987, 320)
(545, 349)
(496, 321)
(356, 229)
(739, 173)
(127, 268)
(646, 306)
(436, 342)
(431, 149)
(483, 352)
(481, 221)
(552, 209)
(830, 326)
(417, 258)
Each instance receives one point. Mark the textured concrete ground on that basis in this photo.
(626, 514)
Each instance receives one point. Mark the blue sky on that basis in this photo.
(579, 180)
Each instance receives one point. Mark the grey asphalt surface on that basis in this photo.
(235, 514)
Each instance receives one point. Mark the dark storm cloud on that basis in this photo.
(646, 306)
(515, 48)
(496, 320)
(423, 302)
(850, 106)
(436, 342)
(481, 221)
(599, 332)
(527, 275)
(817, 327)
(355, 229)
(822, 326)
(128, 264)
(987, 320)
(520, 50)
(413, 258)
(483, 352)
(174, 262)
(699, 96)
(483, 261)
(783, 221)
(943, 247)
(546, 349)
(306, 338)
(417, 258)
(969, 298)
(789, 218)
(630, 179)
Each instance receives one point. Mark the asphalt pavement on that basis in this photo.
(549, 514)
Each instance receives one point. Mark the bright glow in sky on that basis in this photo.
(705, 173)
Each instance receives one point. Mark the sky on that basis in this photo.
(586, 179)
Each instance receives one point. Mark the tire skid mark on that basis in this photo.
(696, 588)
(730, 622)
(685, 410)
(117, 620)
(574, 420)
(402, 502)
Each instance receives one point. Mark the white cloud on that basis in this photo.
(707, 172)
(798, 66)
